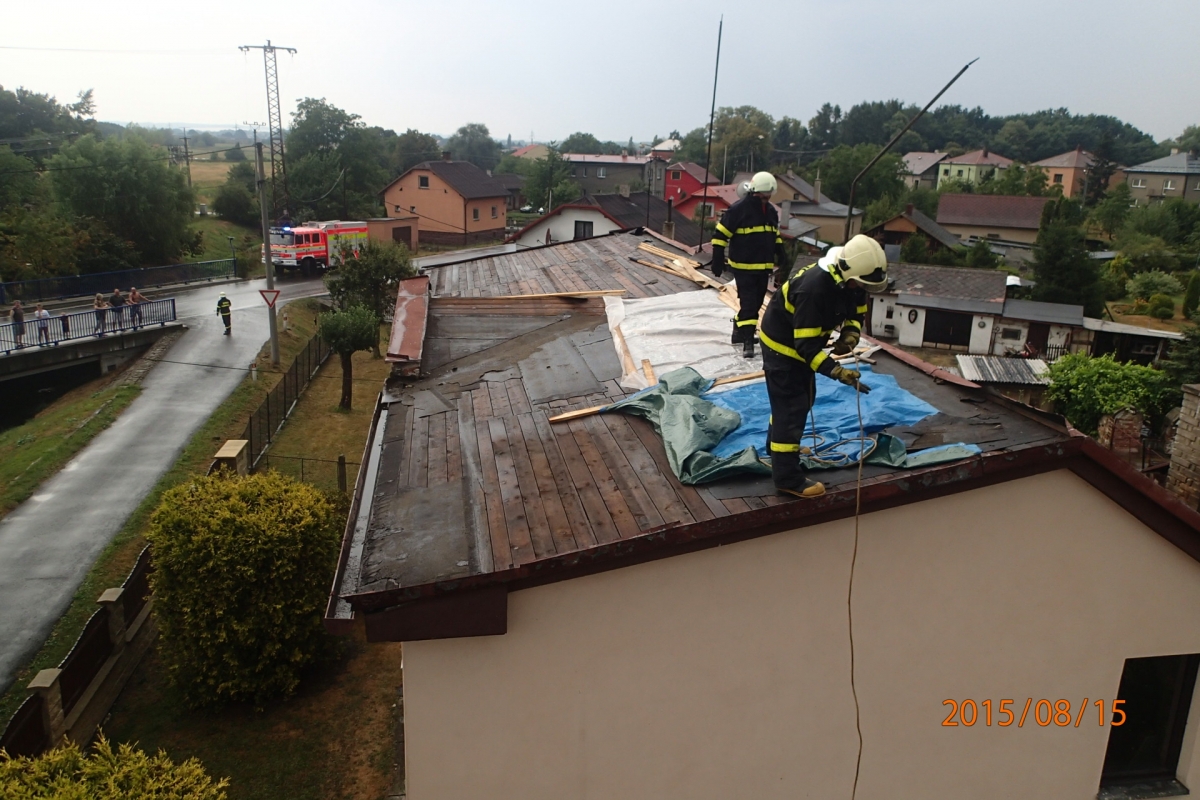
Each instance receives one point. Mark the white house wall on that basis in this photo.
(981, 334)
(1004, 346)
(910, 325)
(562, 227)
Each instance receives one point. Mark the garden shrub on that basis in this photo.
(1085, 388)
(68, 773)
(1162, 306)
(242, 574)
(1146, 284)
(1191, 300)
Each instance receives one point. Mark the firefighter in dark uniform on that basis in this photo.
(225, 308)
(747, 237)
(811, 304)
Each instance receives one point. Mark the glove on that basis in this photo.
(850, 377)
(846, 342)
(718, 262)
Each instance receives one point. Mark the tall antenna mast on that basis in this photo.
(279, 187)
(712, 115)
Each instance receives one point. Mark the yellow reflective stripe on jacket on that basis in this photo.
(742, 322)
(776, 447)
(758, 229)
(738, 265)
(724, 230)
(719, 242)
(783, 349)
(852, 323)
(861, 309)
(787, 303)
(808, 333)
(818, 360)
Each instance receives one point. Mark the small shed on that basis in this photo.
(1021, 379)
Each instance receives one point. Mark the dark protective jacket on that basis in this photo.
(224, 306)
(750, 230)
(810, 305)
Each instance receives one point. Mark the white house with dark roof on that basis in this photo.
(921, 169)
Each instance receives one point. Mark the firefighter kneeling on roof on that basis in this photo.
(814, 301)
(749, 230)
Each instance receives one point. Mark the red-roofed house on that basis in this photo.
(972, 167)
(1067, 170)
(719, 199)
(991, 216)
(686, 177)
(531, 151)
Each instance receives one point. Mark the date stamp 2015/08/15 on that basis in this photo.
(1045, 713)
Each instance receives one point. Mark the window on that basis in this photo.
(946, 172)
(1168, 185)
(493, 212)
(706, 210)
(993, 236)
(1058, 177)
(1139, 183)
(660, 173)
(601, 172)
(960, 174)
(1157, 693)
(795, 195)
(1012, 333)
(674, 174)
(891, 311)
(475, 214)
(583, 230)
(585, 172)
(422, 181)
(574, 174)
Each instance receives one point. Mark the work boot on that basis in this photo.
(810, 489)
(748, 348)
(737, 336)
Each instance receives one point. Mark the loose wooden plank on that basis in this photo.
(600, 520)
(436, 457)
(746, 376)
(716, 506)
(418, 469)
(662, 494)
(648, 371)
(518, 401)
(499, 395)
(564, 514)
(497, 526)
(623, 351)
(402, 480)
(582, 412)
(735, 505)
(614, 501)
(644, 510)
(519, 544)
(476, 500)
(540, 533)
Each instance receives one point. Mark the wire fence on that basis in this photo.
(269, 417)
(42, 289)
(49, 331)
(326, 474)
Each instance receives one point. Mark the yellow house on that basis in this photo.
(1067, 171)
(455, 202)
(971, 167)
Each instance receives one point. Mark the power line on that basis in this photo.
(113, 51)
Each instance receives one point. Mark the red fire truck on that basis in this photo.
(316, 246)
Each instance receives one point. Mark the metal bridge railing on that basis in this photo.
(42, 289)
(57, 328)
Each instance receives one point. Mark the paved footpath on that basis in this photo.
(48, 544)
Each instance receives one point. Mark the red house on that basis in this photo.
(684, 178)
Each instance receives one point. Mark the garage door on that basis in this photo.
(947, 328)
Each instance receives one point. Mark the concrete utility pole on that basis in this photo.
(270, 259)
(187, 158)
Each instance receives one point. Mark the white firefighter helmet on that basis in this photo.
(763, 183)
(862, 259)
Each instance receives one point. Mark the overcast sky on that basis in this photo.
(616, 69)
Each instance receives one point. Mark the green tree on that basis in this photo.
(371, 280)
(838, 168)
(1184, 364)
(549, 180)
(1191, 300)
(24, 112)
(235, 154)
(1145, 253)
(348, 331)
(412, 148)
(584, 143)
(35, 243)
(694, 146)
(242, 568)
(1189, 140)
(318, 126)
(1085, 388)
(824, 129)
(131, 189)
(337, 165)
(1062, 266)
(1110, 213)
(980, 255)
(234, 203)
(1146, 284)
(103, 773)
(915, 249)
(742, 138)
(473, 142)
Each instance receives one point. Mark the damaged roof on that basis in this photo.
(468, 491)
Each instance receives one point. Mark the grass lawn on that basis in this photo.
(336, 738)
(110, 569)
(32, 452)
(207, 176)
(1120, 310)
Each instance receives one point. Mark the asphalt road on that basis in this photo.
(48, 543)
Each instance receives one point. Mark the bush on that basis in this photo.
(1085, 388)
(1191, 300)
(1145, 284)
(67, 773)
(1162, 306)
(242, 572)
(235, 204)
(235, 154)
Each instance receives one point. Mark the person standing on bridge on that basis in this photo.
(225, 309)
(136, 299)
(42, 319)
(101, 309)
(18, 324)
(117, 301)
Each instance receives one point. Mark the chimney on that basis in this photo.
(623, 190)
(817, 189)
(985, 152)
(908, 209)
(1183, 479)
(786, 217)
(668, 229)
(445, 155)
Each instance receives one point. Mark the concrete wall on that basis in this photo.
(879, 316)
(562, 227)
(725, 673)
(910, 332)
(981, 335)
(1184, 477)
(1002, 346)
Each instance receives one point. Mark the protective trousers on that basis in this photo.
(751, 289)
(791, 388)
(225, 319)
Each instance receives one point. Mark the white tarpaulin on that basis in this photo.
(688, 329)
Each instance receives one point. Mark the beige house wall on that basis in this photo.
(1025, 235)
(832, 229)
(725, 673)
(440, 207)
